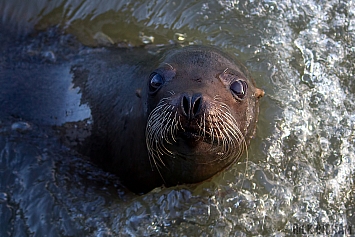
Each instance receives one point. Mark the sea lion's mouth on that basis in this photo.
(193, 137)
(190, 137)
(191, 133)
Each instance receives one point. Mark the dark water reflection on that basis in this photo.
(301, 165)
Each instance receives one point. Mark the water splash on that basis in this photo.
(301, 165)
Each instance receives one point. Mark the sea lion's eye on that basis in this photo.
(156, 81)
(239, 88)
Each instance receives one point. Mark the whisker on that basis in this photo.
(216, 127)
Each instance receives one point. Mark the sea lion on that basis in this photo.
(179, 116)
(154, 117)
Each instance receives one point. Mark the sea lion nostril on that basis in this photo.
(196, 105)
(191, 105)
(186, 105)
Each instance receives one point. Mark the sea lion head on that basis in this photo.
(203, 111)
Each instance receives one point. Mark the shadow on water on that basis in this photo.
(299, 177)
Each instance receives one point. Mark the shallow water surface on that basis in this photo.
(298, 176)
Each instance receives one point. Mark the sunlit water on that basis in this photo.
(299, 175)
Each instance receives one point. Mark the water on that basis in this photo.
(300, 171)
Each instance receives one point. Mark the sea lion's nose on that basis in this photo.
(191, 105)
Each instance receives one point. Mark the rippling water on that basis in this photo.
(300, 170)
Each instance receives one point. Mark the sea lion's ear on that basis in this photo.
(259, 93)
